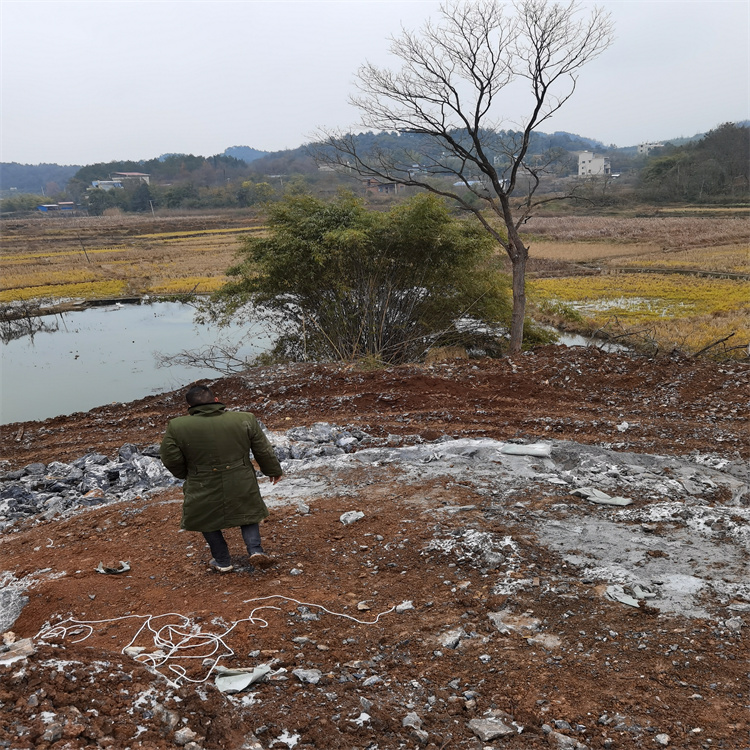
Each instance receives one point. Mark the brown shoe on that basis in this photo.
(261, 560)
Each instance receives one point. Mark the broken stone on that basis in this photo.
(563, 742)
(111, 569)
(311, 676)
(452, 638)
(17, 650)
(545, 640)
(412, 720)
(490, 728)
(506, 622)
(600, 498)
(184, 735)
(52, 733)
(662, 739)
(251, 742)
(540, 450)
(351, 516)
(170, 719)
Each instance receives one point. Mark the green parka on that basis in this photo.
(210, 449)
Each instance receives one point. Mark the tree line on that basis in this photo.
(714, 168)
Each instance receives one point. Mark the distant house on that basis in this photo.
(107, 184)
(590, 165)
(63, 207)
(647, 148)
(387, 188)
(131, 176)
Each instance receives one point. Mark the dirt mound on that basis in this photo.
(441, 618)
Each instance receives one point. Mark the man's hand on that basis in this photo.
(275, 480)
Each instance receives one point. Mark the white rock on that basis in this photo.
(311, 676)
(490, 729)
(412, 720)
(351, 516)
(184, 735)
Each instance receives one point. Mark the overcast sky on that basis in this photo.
(104, 80)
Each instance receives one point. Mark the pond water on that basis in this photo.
(103, 355)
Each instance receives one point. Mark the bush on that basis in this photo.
(341, 282)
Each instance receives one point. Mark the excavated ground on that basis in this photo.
(571, 667)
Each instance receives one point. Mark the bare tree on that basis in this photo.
(446, 95)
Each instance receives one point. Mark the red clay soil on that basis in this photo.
(623, 678)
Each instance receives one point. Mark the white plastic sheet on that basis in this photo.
(236, 680)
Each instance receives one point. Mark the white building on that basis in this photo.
(590, 165)
(647, 148)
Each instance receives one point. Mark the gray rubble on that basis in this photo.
(686, 534)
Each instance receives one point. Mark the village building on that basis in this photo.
(590, 165)
(647, 148)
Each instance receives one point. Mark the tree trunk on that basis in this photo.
(519, 302)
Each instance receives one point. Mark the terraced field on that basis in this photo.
(101, 257)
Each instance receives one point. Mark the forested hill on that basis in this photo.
(42, 179)
(52, 178)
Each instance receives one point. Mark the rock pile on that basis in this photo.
(54, 489)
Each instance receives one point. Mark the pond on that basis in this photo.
(103, 355)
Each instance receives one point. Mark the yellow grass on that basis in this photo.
(192, 284)
(94, 290)
(13, 279)
(683, 312)
(199, 232)
(25, 257)
(693, 334)
(43, 259)
(727, 258)
(707, 210)
(646, 296)
(45, 255)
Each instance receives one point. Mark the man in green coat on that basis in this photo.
(210, 449)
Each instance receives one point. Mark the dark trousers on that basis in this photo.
(220, 550)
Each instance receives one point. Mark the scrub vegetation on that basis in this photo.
(341, 282)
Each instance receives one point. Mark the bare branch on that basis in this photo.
(447, 95)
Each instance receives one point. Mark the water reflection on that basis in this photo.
(20, 320)
(81, 360)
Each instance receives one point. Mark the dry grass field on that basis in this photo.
(662, 232)
(93, 257)
(674, 298)
(695, 289)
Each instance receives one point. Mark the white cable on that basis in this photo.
(172, 639)
(320, 606)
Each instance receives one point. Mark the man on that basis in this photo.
(210, 449)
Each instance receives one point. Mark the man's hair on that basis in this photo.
(199, 394)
